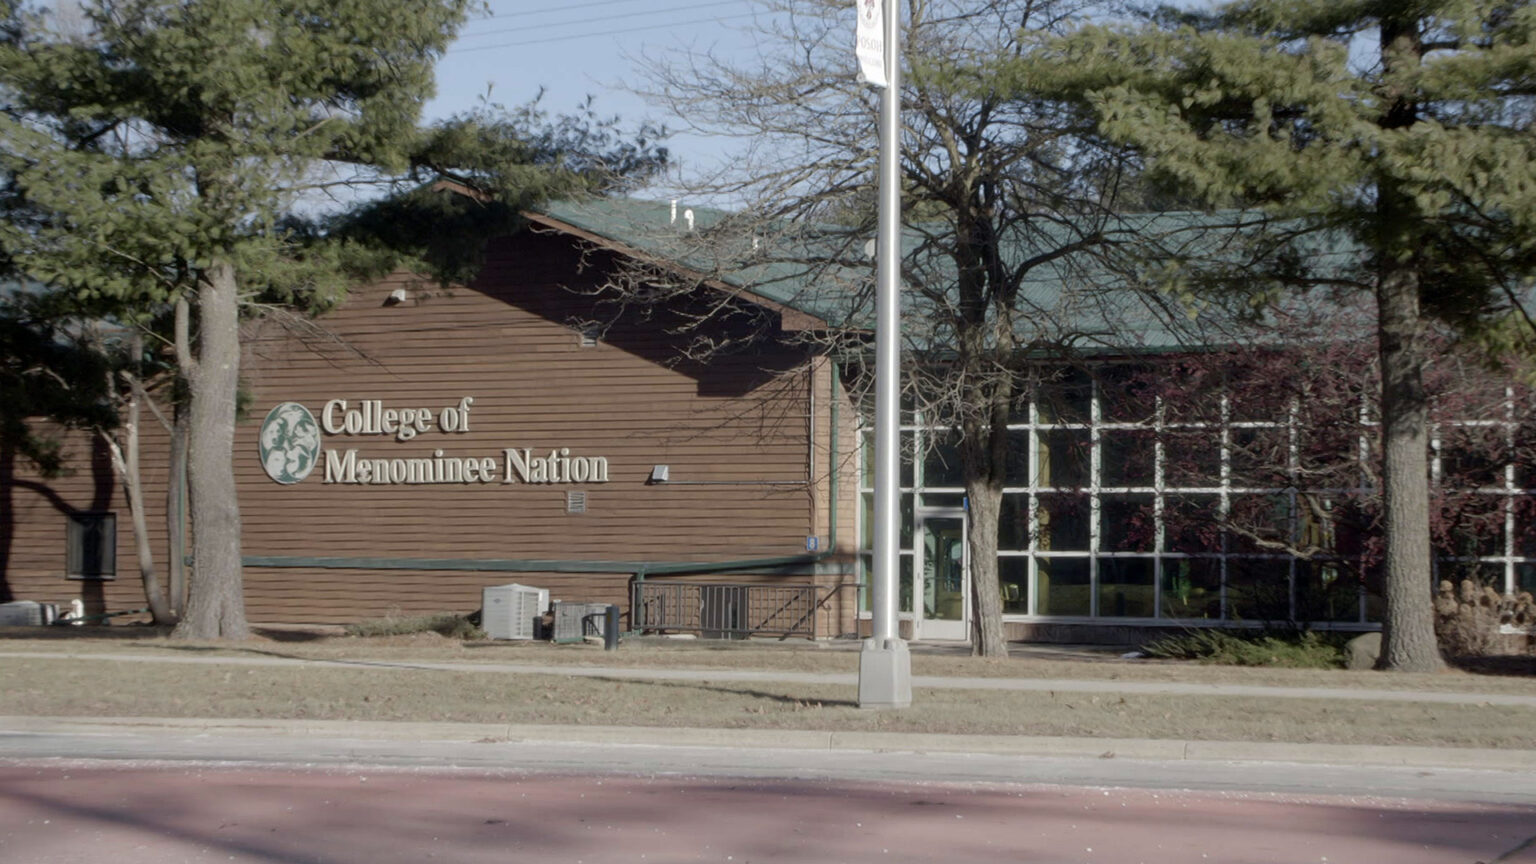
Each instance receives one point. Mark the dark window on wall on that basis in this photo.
(1192, 458)
(1129, 457)
(941, 461)
(1013, 523)
(1126, 588)
(91, 542)
(1127, 394)
(1013, 581)
(1065, 459)
(1127, 523)
(1064, 396)
(1063, 521)
(1327, 590)
(1473, 457)
(1062, 586)
(1191, 588)
(1259, 589)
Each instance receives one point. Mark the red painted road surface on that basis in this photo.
(94, 813)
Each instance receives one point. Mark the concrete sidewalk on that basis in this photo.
(14, 732)
(919, 682)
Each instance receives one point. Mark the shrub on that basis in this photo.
(1468, 618)
(446, 624)
(1308, 650)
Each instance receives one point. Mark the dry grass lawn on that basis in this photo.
(788, 655)
(80, 687)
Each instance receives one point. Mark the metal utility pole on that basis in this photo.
(885, 666)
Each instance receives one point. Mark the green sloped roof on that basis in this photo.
(717, 247)
(1077, 299)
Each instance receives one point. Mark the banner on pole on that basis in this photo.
(870, 36)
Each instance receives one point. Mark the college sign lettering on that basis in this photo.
(290, 447)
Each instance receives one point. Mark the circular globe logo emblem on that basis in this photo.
(290, 443)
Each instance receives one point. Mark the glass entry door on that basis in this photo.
(946, 575)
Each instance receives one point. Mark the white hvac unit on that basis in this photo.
(27, 613)
(512, 611)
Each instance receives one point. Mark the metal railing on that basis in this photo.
(716, 610)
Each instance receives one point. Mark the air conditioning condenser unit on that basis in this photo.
(512, 611)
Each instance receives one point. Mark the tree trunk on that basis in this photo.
(175, 486)
(176, 512)
(987, 639)
(1408, 634)
(984, 451)
(125, 458)
(1408, 641)
(216, 605)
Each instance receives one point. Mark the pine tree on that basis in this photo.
(164, 149)
(1403, 129)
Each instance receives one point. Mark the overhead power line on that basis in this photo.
(545, 8)
(587, 21)
(619, 31)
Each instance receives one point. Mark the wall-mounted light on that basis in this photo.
(395, 298)
(658, 474)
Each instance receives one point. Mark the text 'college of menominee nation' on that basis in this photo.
(515, 465)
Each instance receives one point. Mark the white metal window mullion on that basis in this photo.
(1363, 442)
(1032, 572)
(1293, 473)
(1159, 524)
(1436, 473)
(1509, 491)
(1224, 503)
(1094, 510)
(915, 551)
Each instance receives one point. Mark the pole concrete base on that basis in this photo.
(885, 674)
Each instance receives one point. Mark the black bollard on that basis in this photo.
(611, 629)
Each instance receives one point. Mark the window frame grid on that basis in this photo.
(1223, 491)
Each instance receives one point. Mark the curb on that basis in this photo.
(1475, 759)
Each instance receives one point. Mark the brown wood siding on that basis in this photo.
(295, 595)
(740, 427)
(34, 520)
(512, 342)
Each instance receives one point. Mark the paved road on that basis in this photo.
(127, 813)
(165, 790)
(255, 792)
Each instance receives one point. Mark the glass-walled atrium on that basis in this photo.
(1126, 502)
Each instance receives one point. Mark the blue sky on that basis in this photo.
(584, 48)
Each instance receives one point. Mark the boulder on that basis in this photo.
(1362, 651)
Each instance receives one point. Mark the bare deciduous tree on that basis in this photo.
(1011, 209)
